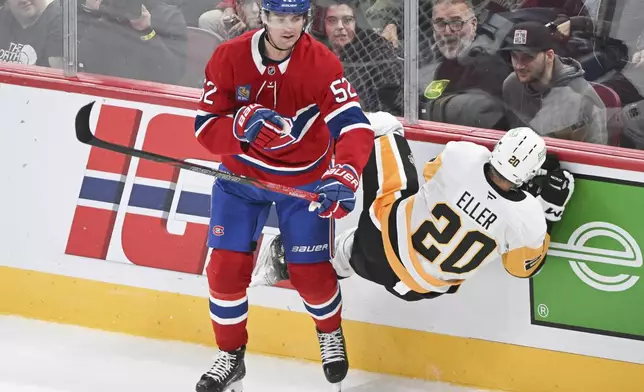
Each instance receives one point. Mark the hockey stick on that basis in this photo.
(84, 135)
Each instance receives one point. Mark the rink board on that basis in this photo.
(96, 239)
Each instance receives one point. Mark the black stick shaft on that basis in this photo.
(84, 135)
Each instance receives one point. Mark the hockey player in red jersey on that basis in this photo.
(276, 106)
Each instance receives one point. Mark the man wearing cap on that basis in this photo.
(549, 93)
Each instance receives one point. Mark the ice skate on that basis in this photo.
(335, 362)
(226, 373)
(270, 267)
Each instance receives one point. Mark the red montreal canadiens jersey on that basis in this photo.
(309, 88)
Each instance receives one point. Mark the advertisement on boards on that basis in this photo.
(141, 212)
(591, 281)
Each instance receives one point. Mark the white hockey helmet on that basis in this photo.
(519, 154)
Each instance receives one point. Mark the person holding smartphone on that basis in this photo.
(231, 18)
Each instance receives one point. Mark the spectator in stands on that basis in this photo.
(146, 45)
(370, 62)
(231, 18)
(193, 9)
(463, 84)
(548, 93)
(387, 17)
(633, 112)
(608, 56)
(31, 33)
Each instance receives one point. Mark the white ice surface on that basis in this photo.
(37, 356)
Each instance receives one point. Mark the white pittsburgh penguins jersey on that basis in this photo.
(457, 222)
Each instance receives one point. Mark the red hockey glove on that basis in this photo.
(337, 192)
(260, 126)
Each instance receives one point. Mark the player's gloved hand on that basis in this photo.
(535, 185)
(337, 192)
(556, 193)
(551, 163)
(260, 126)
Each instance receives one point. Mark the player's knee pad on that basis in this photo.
(315, 281)
(229, 271)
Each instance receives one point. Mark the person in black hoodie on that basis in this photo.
(370, 61)
(150, 45)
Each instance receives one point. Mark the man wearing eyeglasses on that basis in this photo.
(454, 27)
(463, 84)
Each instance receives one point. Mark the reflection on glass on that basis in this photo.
(573, 72)
(586, 87)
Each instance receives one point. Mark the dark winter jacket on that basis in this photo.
(465, 91)
(112, 47)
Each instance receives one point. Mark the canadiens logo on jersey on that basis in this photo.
(243, 93)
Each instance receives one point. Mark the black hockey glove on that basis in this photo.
(555, 193)
(535, 185)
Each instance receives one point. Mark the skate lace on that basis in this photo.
(221, 368)
(332, 347)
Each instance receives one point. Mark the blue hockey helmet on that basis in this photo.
(296, 7)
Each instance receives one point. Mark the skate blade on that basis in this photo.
(237, 386)
(337, 387)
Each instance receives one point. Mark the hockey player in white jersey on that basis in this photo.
(423, 242)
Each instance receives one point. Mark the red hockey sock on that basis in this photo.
(318, 286)
(229, 275)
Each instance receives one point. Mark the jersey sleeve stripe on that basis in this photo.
(524, 262)
(391, 173)
(349, 128)
(346, 106)
(202, 121)
(395, 263)
(347, 118)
